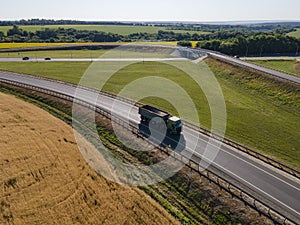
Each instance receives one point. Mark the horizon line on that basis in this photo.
(160, 21)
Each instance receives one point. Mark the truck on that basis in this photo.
(157, 116)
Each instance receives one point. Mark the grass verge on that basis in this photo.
(55, 54)
(262, 113)
(287, 66)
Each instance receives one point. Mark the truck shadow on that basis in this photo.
(175, 142)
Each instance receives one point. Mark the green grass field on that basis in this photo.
(44, 44)
(89, 54)
(288, 66)
(55, 54)
(295, 33)
(117, 29)
(261, 114)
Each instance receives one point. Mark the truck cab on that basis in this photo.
(174, 125)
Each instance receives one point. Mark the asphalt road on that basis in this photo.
(271, 58)
(272, 186)
(256, 67)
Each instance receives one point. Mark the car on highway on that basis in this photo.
(47, 58)
(25, 58)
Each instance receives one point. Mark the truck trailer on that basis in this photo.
(149, 113)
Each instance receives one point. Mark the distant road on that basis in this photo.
(271, 58)
(272, 186)
(91, 59)
(238, 62)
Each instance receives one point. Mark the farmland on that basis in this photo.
(295, 33)
(257, 117)
(32, 45)
(55, 54)
(84, 53)
(288, 66)
(116, 29)
(47, 181)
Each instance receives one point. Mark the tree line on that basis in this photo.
(16, 34)
(232, 42)
(262, 44)
(43, 22)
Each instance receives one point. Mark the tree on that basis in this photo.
(46, 34)
(185, 43)
(15, 30)
(1, 36)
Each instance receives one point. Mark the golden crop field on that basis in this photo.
(45, 179)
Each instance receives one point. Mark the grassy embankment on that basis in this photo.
(288, 66)
(262, 114)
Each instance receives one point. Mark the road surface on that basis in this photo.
(291, 58)
(255, 67)
(270, 185)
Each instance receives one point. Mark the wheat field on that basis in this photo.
(45, 180)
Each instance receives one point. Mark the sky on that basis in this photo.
(152, 10)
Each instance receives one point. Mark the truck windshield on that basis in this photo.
(178, 123)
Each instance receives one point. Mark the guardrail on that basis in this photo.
(231, 188)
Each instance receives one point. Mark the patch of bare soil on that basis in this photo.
(45, 180)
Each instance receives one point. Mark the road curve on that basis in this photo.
(242, 63)
(270, 185)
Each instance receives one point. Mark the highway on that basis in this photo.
(239, 62)
(270, 185)
(291, 58)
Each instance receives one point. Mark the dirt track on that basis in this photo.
(45, 180)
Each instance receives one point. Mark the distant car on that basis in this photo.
(237, 56)
(47, 58)
(25, 58)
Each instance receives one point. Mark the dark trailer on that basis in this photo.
(148, 113)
